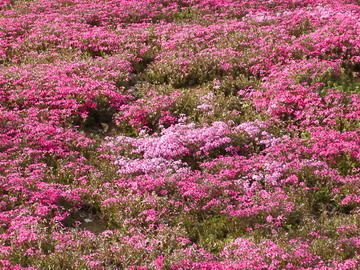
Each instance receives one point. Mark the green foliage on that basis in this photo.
(213, 232)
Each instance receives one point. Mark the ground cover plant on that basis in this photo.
(187, 134)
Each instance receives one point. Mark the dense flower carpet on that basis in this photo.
(180, 134)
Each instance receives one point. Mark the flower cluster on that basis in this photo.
(187, 134)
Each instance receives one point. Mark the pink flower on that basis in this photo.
(159, 262)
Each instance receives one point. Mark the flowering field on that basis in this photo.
(180, 134)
